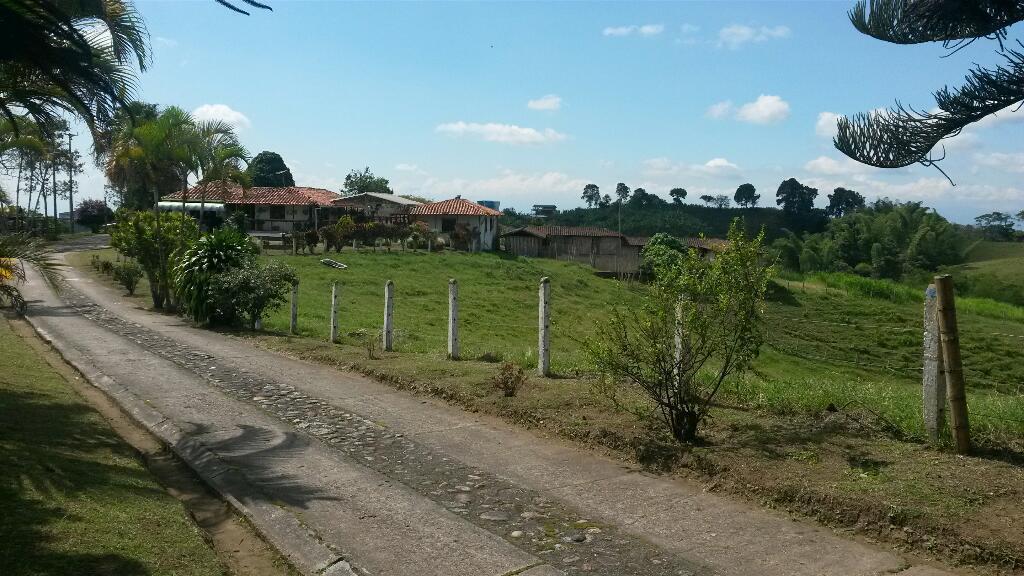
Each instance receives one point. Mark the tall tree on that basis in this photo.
(268, 169)
(746, 195)
(996, 225)
(901, 136)
(591, 195)
(621, 192)
(643, 199)
(795, 198)
(677, 194)
(605, 201)
(357, 182)
(707, 199)
(842, 202)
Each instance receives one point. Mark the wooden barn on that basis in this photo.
(603, 249)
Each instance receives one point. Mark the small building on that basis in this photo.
(268, 210)
(603, 249)
(390, 208)
(459, 220)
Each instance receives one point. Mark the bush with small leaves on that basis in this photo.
(509, 379)
(95, 261)
(128, 275)
(107, 267)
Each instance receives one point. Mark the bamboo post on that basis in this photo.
(933, 379)
(544, 328)
(295, 244)
(950, 337)
(293, 326)
(334, 312)
(453, 319)
(389, 316)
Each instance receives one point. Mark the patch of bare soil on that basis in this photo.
(238, 546)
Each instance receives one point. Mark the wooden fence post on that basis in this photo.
(933, 380)
(334, 312)
(544, 328)
(453, 319)
(389, 314)
(293, 326)
(954, 365)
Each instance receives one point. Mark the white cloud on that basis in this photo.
(720, 109)
(736, 35)
(1009, 115)
(717, 167)
(661, 167)
(506, 184)
(547, 102)
(168, 42)
(689, 29)
(410, 168)
(222, 112)
(1003, 161)
(766, 109)
(504, 133)
(832, 167)
(827, 126)
(643, 30)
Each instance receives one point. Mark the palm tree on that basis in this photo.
(17, 250)
(220, 158)
(69, 56)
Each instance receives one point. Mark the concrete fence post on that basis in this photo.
(293, 326)
(334, 312)
(257, 323)
(389, 316)
(950, 337)
(453, 319)
(933, 381)
(544, 328)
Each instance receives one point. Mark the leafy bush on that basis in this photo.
(95, 261)
(128, 275)
(700, 324)
(215, 253)
(93, 213)
(154, 242)
(249, 292)
(107, 267)
(509, 379)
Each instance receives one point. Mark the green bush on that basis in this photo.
(213, 254)
(154, 243)
(128, 275)
(245, 294)
(107, 267)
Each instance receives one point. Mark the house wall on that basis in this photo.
(260, 220)
(373, 208)
(486, 228)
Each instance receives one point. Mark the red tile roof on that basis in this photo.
(278, 196)
(454, 207)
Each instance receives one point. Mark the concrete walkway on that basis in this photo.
(344, 473)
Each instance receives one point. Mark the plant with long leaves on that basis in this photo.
(17, 251)
(902, 135)
(214, 254)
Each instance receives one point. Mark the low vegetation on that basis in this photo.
(74, 498)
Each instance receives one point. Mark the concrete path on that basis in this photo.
(344, 473)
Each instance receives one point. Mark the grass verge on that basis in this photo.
(74, 498)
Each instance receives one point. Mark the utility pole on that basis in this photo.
(71, 185)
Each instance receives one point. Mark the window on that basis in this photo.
(277, 212)
(448, 224)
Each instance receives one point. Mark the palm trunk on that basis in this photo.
(56, 219)
(17, 193)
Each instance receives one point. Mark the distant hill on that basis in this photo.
(680, 220)
(993, 270)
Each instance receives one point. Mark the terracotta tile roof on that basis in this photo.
(712, 244)
(637, 240)
(371, 196)
(278, 196)
(547, 231)
(454, 207)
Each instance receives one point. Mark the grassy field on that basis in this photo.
(994, 270)
(74, 498)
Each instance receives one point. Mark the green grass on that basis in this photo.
(74, 499)
(498, 300)
(994, 270)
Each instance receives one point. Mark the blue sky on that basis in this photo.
(526, 102)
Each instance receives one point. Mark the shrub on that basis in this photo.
(128, 275)
(213, 254)
(95, 261)
(107, 267)
(249, 292)
(700, 324)
(509, 379)
(93, 213)
(135, 236)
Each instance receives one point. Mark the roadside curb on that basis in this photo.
(303, 549)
